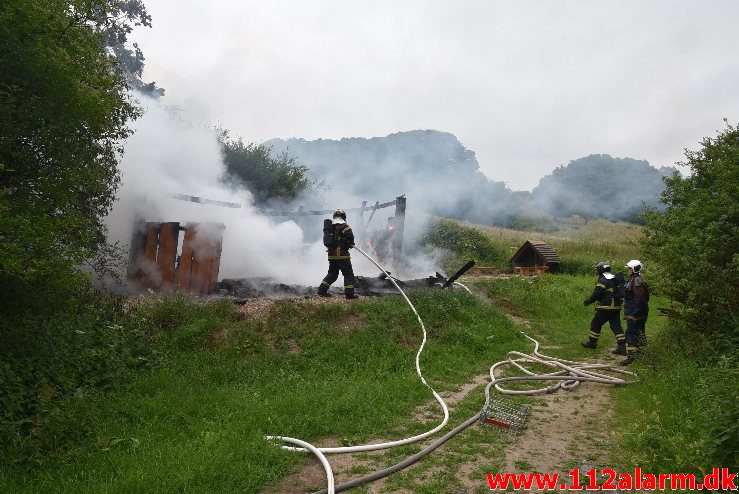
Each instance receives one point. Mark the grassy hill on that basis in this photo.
(219, 378)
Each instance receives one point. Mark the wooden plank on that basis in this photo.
(149, 277)
(137, 251)
(215, 231)
(397, 245)
(167, 253)
(200, 263)
(184, 270)
(329, 211)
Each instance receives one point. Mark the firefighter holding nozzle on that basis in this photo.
(338, 239)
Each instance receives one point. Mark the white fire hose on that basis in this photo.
(568, 377)
(375, 446)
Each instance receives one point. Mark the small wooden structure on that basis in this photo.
(535, 257)
(156, 265)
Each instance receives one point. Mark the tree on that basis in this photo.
(600, 186)
(128, 13)
(64, 109)
(696, 240)
(269, 178)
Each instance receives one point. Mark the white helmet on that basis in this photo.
(635, 265)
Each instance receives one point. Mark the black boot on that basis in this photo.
(630, 356)
(591, 343)
(621, 349)
(351, 296)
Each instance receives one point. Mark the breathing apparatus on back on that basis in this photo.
(329, 234)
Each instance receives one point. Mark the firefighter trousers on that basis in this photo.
(334, 266)
(613, 318)
(636, 335)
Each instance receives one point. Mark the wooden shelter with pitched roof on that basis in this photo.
(535, 257)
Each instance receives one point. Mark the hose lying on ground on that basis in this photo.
(570, 375)
(405, 463)
(390, 444)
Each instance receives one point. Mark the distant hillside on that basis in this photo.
(435, 171)
(601, 186)
(441, 176)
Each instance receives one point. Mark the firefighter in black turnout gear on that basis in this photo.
(338, 239)
(636, 310)
(607, 297)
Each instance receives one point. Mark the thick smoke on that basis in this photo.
(168, 156)
(440, 176)
(601, 186)
(433, 169)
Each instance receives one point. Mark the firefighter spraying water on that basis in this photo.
(338, 239)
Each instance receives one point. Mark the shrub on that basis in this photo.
(463, 243)
(52, 369)
(52, 366)
(695, 240)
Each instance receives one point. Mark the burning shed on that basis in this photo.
(535, 257)
(155, 262)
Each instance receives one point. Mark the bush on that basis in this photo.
(683, 417)
(694, 246)
(269, 178)
(462, 243)
(52, 366)
(695, 240)
(52, 369)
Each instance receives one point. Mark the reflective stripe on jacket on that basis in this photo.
(604, 294)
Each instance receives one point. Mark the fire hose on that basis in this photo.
(568, 377)
(371, 447)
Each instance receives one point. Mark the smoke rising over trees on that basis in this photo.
(601, 186)
(441, 176)
(435, 171)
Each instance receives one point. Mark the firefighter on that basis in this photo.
(636, 310)
(338, 240)
(607, 297)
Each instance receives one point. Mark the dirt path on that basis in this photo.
(566, 429)
(310, 476)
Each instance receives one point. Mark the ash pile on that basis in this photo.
(249, 288)
(243, 289)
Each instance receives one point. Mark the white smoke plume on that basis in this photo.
(167, 156)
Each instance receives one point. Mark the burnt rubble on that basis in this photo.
(242, 289)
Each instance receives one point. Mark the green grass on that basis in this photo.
(194, 423)
(683, 417)
(580, 244)
(553, 306)
(194, 418)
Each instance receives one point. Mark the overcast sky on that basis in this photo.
(527, 85)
